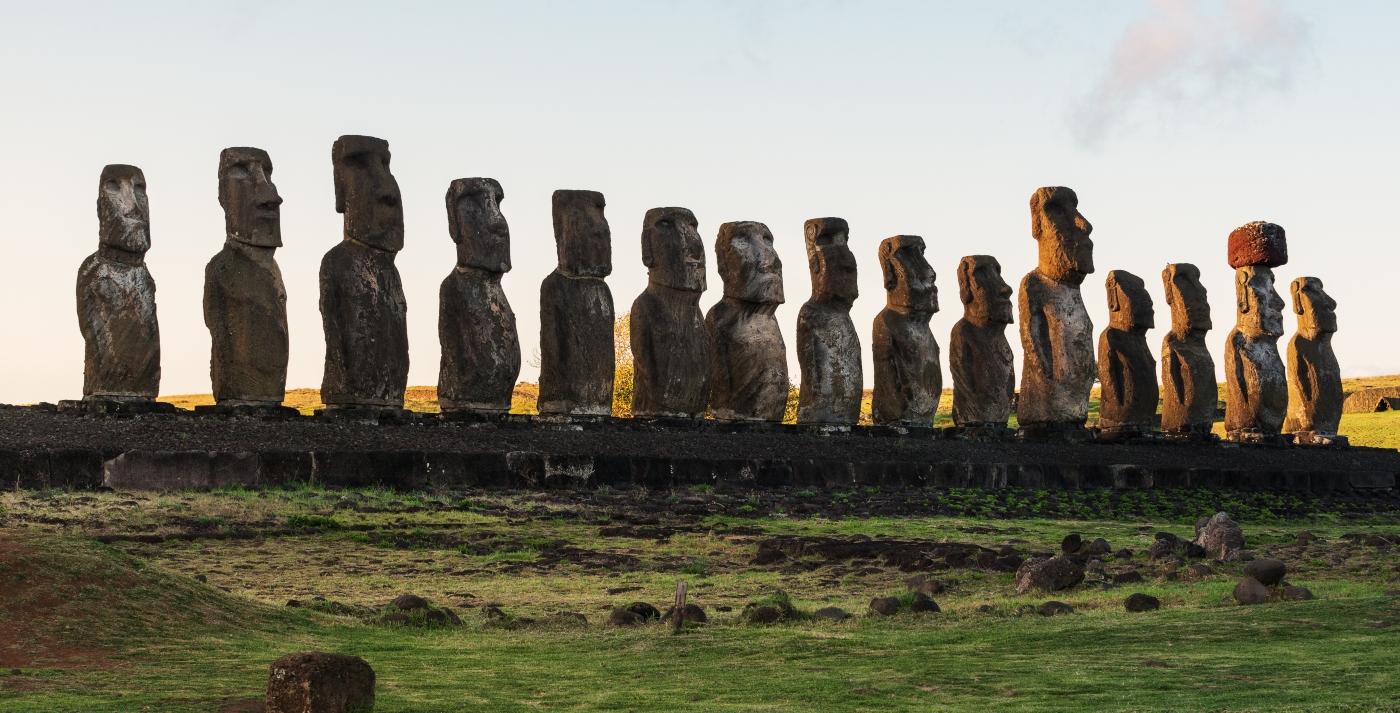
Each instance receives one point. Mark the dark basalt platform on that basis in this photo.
(41, 448)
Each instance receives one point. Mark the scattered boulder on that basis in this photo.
(768, 556)
(692, 613)
(1053, 608)
(765, 615)
(409, 602)
(1140, 602)
(1220, 537)
(1131, 576)
(1094, 566)
(1297, 594)
(645, 611)
(315, 682)
(1052, 574)
(1250, 591)
(623, 617)
(1124, 554)
(832, 613)
(1306, 538)
(1071, 543)
(924, 605)
(919, 584)
(492, 611)
(202, 579)
(1099, 546)
(985, 609)
(1203, 570)
(1268, 571)
(885, 606)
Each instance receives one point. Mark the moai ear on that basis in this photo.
(1169, 285)
(648, 259)
(1297, 289)
(887, 266)
(1242, 291)
(1114, 304)
(965, 276)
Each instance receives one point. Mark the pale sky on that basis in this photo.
(1174, 121)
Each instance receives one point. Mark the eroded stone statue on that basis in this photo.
(1127, 371)
(979, 356)
(476, 327)
(748, 376)
(1314, 378)
(1056, 334)
(908, 373)
(363, 310)
(1189, 392)
(671, 349)
(577, 360)
(1256, 388)
(828, 348)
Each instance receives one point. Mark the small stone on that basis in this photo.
(1306, 537)
(1132, 576)
(1250, 591)
(1268, 571)
(919, 584)
(768, 557)
(436, 616)
(623, 617)
(1140, 602)
(984, 609)
(1297, 594)
(315, 682)
(201, 579)
(644, 610)
(924, 605)
(1099, 546)
(765, 615)
(1052, 574)
(409, 602)
(1071, 543)
(691, 613)
(1053, 608)
(832, 613)
(294, 603)
(885, 606)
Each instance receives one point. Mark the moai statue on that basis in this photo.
(979, 356)
(476, 327)
(577, 360)
(1127, 371)
(1056, 334)
(1189, 392)
(908, 374)
(748, 375)
(117, 301)
(671, 349)
(363, 310)
(1315, 380)
(245, 303)
(828, 348)
(1256, 388)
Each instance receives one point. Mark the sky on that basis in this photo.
(1175, 121)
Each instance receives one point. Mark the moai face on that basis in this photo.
(985, 296)
(1066, 252)
(252, 208)
(748, 264)
(476, 224)
(672, 249)
(1187, 298)
(1316, 310)
(1129, 305)
(581, 234)
(1260, 309)
(123, 215)
(366, 192)
(829, 258)
(909, 279)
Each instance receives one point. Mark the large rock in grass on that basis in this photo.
(1048, 574)
(1250, 591)
(1220, 537)
(1268, 571)
(315, 682)
(1140, 602)
(885, 606)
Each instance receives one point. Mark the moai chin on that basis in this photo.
(577, 358)
(979, 355)
(1256, 388)
(749, 376)
(476, 327)
(671, 349)
(245, 302)
(1314, 377)
(908, 373)
(363, 310)
(828, 348)
(1189, 392)
(1127, 371)
(1056, 333)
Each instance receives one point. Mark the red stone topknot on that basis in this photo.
(1258, 244)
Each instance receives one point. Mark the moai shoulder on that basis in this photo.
(1314, 378)
(671, 349)
(748, 375)
(1127, 371)
(979, 356)
(908, 372)
(828, 348)
(1257, 390)
(577, 357)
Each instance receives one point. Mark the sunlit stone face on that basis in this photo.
(1260, 309)
(122, 210)
(830, 260)
(748, 264)
(252, 207)
(985, 295)
(1062, 232)
(477, 225)
(1316, 309)
(1187, 298)
(909, 279)
(1129, 304)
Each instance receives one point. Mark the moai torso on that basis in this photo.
(1189, 392)
(1127, 371)
(577, 358)
(828, 348)
(979, 355)
(1314, 378)
(671, 349)
(908, 375)
(1257, 390)
(748, 375)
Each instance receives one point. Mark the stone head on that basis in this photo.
(1259, 308)
(477, 227)
(1186, 297)
(1129, 305)
(581, 234)
(748, 264)
(985, 296)
(252, 208)
(1066, 252)
(909, 279)
(829, 258)
(1316, 310)
(123, 215)
(366, 192)
(672, 249)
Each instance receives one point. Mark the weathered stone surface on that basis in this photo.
(315, 682)
(1189, 392)
(577, 361)
(1048, 574)
(363, 310)
(764, 615)
(245, 302)
(1297, 594)
(979, 356)
(1056, 333)
(476, 327)
(828, 348)
(908, 371)
(923, 604)
(1314, 378)
(1141, 603)
(1054, 608)
(885, 606)
(748, 374)
(622, 617)
(117, 295)
(671, 349)
(1219, 536)
(831, 613)
(646, 611)
(1256, 387)
(1268, 571)
(1250, 591)
(1385, 398)
(1258, 244)
(1127, 371)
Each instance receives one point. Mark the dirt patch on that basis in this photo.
(906, 555)
(33, 604)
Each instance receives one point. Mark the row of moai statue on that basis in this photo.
(731, 361)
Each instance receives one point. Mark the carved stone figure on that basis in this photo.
(1189, 393)
(748, 375)
(828, 348)
(1315, 380)
(577, 361)
(908, 373)
(1056, 333)
(476, 327)
(979, 356)
(1127, 371)
(245, 303)
(671, 349)
(1257, 390)
(363, 310)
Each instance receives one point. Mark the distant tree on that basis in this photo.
(622, 378)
